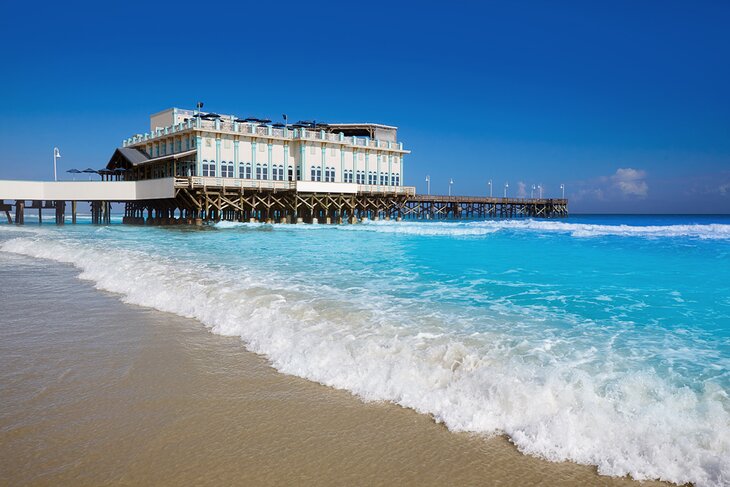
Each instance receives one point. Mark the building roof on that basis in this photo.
(363, 124)
(126, 157)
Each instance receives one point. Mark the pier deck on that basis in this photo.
(197, 200)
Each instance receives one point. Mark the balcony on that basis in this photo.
(266, 132)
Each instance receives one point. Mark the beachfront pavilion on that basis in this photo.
(192, 144)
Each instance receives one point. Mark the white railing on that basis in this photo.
(252, 129)
(375, 188)
(203, 181)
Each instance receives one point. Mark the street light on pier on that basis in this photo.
(562, 188)
(539, 188)
(56, 155)
(428, 184)
(451, 181)
(506, 185)
(490, 188)
(532, 191)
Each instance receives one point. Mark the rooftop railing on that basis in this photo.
(267, 131)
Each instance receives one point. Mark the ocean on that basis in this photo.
(602, 340)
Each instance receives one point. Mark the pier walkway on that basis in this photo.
(202, 199)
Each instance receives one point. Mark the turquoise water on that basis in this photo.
(598, 339)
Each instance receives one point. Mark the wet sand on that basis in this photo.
(94, 391)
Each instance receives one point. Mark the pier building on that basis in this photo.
(188, 143)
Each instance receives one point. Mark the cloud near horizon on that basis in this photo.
(626, 183)
(630, 182)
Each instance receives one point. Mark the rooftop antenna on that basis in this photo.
(199, 106)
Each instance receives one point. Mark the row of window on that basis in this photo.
(245, 171)
(329, 174)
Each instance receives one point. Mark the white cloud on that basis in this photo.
(630, 182)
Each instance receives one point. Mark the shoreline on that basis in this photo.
(178, 404)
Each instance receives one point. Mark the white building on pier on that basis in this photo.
(219, 149)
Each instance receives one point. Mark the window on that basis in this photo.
(227, 169)
(383, 179)
(244, 170)
(316, 173)
(329, 175)
(347, 176)
(371, 177)
(360, 177)
(208, 168)
(259, 172)
(281, 172)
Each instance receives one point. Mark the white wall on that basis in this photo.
(88, 190)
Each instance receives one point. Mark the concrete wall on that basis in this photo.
(317, 187)
(88, 190)
(161, 119)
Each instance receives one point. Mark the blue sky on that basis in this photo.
(626, 103)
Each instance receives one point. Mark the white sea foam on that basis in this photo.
(476, 228)
(547, 397)
(713, 231)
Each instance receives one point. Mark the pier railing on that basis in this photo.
(215, 182)
(490, 200)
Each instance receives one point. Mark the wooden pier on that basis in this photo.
(193, 200)
(196, 203)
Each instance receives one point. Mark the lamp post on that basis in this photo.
(56, 155)
(428, 184)
(451, 181)
(490, 188)
(562, 188)
(532, 191)
(539, 188)
(506, 185)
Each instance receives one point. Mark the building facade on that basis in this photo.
(361, 157)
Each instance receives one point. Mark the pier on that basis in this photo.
(199, 200)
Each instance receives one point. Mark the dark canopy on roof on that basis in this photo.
(126, 157)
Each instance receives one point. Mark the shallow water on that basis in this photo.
(600, 340)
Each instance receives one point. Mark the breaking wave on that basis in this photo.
(713, 231)
(557, 401)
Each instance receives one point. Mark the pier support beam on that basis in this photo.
(60, 212)
(19, 212)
